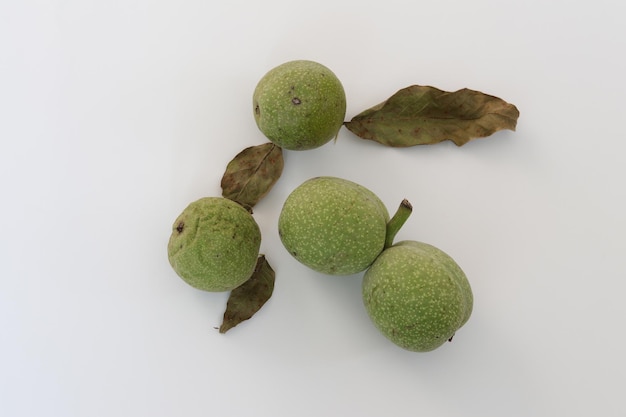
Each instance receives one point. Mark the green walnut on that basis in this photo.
(299, 105)
(214, 244)
(417, 296)
(333, 225)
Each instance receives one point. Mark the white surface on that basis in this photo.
(115, 115)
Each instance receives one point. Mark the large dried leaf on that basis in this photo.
(420, 115)
(252, 173)
(248, 298)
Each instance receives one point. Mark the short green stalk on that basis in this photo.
(397, 221)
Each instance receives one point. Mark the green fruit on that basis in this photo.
(214, 244)
(417, 296)
(299, 105)
(333, 225)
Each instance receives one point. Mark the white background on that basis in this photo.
(114, 115)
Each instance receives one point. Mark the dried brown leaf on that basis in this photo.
(420, 115)
(252, 173)
(248, 298)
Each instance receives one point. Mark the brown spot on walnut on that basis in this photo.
(296, 101)
(180, 227)
(257, 110)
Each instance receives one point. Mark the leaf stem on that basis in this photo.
(397, 221)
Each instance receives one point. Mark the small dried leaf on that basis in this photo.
(248, 298)
(252, 174)
(421, 115)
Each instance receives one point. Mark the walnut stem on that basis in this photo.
(397, 221)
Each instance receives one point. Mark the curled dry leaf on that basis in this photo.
(252, 173)
(248, 298)
(420, 115)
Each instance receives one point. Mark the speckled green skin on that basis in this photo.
(299, 105)
(333, 225)
(417, 296)
(214, 244)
